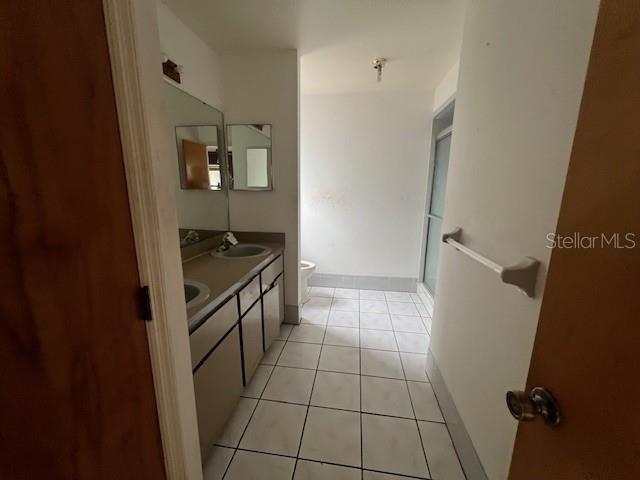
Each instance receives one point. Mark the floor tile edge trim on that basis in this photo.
(364, 282)
(467, 454)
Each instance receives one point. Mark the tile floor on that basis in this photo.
(343, 395)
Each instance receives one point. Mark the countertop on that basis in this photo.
(224, 277)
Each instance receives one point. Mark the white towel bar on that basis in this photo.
(523, 275)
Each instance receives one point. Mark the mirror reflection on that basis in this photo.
(199, 157)
(198, 164)
(249, 157)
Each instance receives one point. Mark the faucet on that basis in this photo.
(228, 240)
(191, 237)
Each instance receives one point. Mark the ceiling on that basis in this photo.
(338, 39)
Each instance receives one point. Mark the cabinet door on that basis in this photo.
(252, 340)
(272, 317)
(218, 385)
(212, 330)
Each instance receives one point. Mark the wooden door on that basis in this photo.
(587, 348)
(196, 165)
(77, 398)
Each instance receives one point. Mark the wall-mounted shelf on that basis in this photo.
(522, 275)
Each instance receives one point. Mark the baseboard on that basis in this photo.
(426, 297)
(364, 282)
(292, 314)
(469, 459)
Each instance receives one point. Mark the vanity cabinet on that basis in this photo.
(273, 311)
(218, 385)
(252, 348)
(227, 348)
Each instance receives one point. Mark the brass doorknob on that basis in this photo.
(525, 407)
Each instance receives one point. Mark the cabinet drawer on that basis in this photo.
(270, 273)
(212, 330)
(217, 385)
(252, 340)
(249, 294)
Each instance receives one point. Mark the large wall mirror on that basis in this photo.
(249, 156)
(198, 162)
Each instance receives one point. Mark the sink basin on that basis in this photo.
(195, 292)
(243, 250)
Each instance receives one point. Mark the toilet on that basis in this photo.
(306, 269)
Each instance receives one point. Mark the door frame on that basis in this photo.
(435, 136)
(134, 49)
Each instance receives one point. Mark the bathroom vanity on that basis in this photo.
(230, 330)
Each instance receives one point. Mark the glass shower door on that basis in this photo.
(436, 209)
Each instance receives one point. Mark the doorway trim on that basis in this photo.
(134, 48)
(435, 136)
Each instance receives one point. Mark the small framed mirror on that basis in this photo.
(200, 157)
(249, 157)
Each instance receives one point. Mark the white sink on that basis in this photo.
(195, 292)
(243, 250)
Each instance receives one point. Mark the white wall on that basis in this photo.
(522, 71)
(363, 181)
(201, 65)
(446, 88)
(263, 88)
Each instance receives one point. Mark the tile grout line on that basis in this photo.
(280, 455)
(413, 408)
(304, 425)
(360, 406)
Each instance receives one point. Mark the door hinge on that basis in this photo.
(145, 303)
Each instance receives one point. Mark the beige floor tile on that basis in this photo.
(285, 330)
(216, 463)
(398, 297)
(443, 461)
(307, 470)
(336, 390)
(367, 475)
(403, 308)
(275, 428)
(300, 355)
(373, 306)
(258, 382)
(314, 315)
(271, 355)
(321, 292)
(424, 402)
(350, 293)
(332, 436)
(381, 364)
(290, 385)
(252, 465)
(345, 304)
(405, 323)
(339, 318)
(378, 340)
(392, 445)
(412, 342)
(342, 336)
(414, 365)
(372, 295)
(375, 321)
(386, 396)
(237, 422)
(339, 359)
(307, 333)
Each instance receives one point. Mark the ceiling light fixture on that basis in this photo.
(378, 64)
